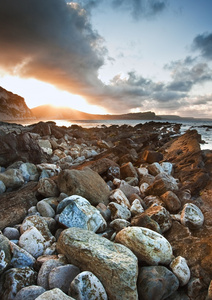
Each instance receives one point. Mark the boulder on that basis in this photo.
(149, 246)
(152, 156)
(156, 283)
(128, 170)
(15, 205)
(171, 201)
(113, 264)
(80, 213)
(87, 286)
(20, 257)
(155, 169)
(143, 220)
(119, 197)
(48, 188)
(162, 183)
(85, 183)
(159, 214)
(118, 211)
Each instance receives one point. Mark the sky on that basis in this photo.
(109, 56)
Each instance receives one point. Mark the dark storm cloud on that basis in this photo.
(50, 40)
(203, 42)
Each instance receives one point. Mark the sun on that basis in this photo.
(38, 93)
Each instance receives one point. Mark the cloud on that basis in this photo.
(52, 41)
(203, 42)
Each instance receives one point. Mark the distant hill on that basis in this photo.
(49, 112)
(13, 107)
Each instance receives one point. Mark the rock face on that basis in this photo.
(85, 183)
(113, 264)
(13, 107)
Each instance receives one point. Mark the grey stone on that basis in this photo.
(20, 257)
(55, 294)
(30, 292)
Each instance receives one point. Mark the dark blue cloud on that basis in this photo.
(203, 42)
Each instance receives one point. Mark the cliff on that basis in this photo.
(13, 107)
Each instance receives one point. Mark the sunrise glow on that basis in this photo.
(37, 93)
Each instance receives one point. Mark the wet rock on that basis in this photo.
(54, 294)
(15, 205)
(87, 286)
(104, 259)
(192, 216)
(5, 253)
(48, 188)
(156, 283)
(80, 213)
(30, 292)
(85, 183)
(15, 279)
(180, 268)
(149, 246)
(62, 276)
(118, 211)
(171, 201)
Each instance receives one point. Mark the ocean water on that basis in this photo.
(203, 127)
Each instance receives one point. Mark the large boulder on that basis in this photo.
(113, 264)
(85, 183)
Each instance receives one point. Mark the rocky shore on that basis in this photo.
(114, 213)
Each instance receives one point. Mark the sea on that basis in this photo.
(203, 127)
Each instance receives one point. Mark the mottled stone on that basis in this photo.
(148, 245)
(156, 283)
(62, 276)
(161, 216)
(155, 169)
(118, 211)
(136, 208)
(119, 224)
(85, 183)
(143, 220)
(180, 268)
(15, 279)
(167, 167)
(80, 213)
(192, 216)
(87, 286)
(153, 200)
(119, 197)
(29, 171)
(162, 183)
(12, 178)
(128, 170)
(105, 259)
(48, 188)
(20, 257)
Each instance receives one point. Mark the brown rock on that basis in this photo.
(172, 202)
(14, 205)
(152, 156)
(85, 183)
(128, 170)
